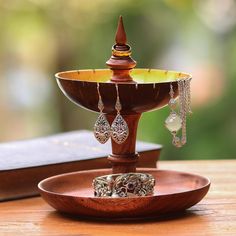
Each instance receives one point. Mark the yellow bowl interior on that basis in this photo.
(141, 76)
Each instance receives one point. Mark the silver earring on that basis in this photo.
(119, 127)
(175, 122)
(102, 127)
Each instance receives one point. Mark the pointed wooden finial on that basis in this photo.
(120, 33)
(121, 61)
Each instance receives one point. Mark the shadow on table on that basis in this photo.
(167, 217)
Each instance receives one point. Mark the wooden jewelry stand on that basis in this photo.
(140, 90)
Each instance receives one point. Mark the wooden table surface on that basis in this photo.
(214, 215)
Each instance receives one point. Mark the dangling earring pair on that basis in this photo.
(118, 131)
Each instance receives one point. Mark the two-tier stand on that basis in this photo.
(140, 90)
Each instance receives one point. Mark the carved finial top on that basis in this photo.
(120, 33)
(121, 62)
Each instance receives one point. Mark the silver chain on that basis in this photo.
(184, 109)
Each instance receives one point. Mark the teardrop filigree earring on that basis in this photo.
(119, 127)
(102, 129)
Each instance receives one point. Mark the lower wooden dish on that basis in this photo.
(73, 193)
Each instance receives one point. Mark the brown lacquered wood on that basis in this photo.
(215, 215)
(124, 157)
(134, 100)
(120, 33)
(174, 191)
(121, 62)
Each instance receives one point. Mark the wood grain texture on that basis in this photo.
(134, 103)
(215, 215)
(124, 158)
(73, 193)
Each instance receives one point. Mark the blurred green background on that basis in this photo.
(41, 37)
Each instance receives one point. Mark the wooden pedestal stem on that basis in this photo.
(124, 157)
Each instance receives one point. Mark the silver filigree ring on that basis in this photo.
(124, 185)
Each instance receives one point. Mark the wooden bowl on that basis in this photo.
(150, 90)
(174, 191)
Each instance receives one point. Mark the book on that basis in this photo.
(23, 164)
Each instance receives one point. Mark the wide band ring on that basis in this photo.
(121, 53)
(124, 185)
